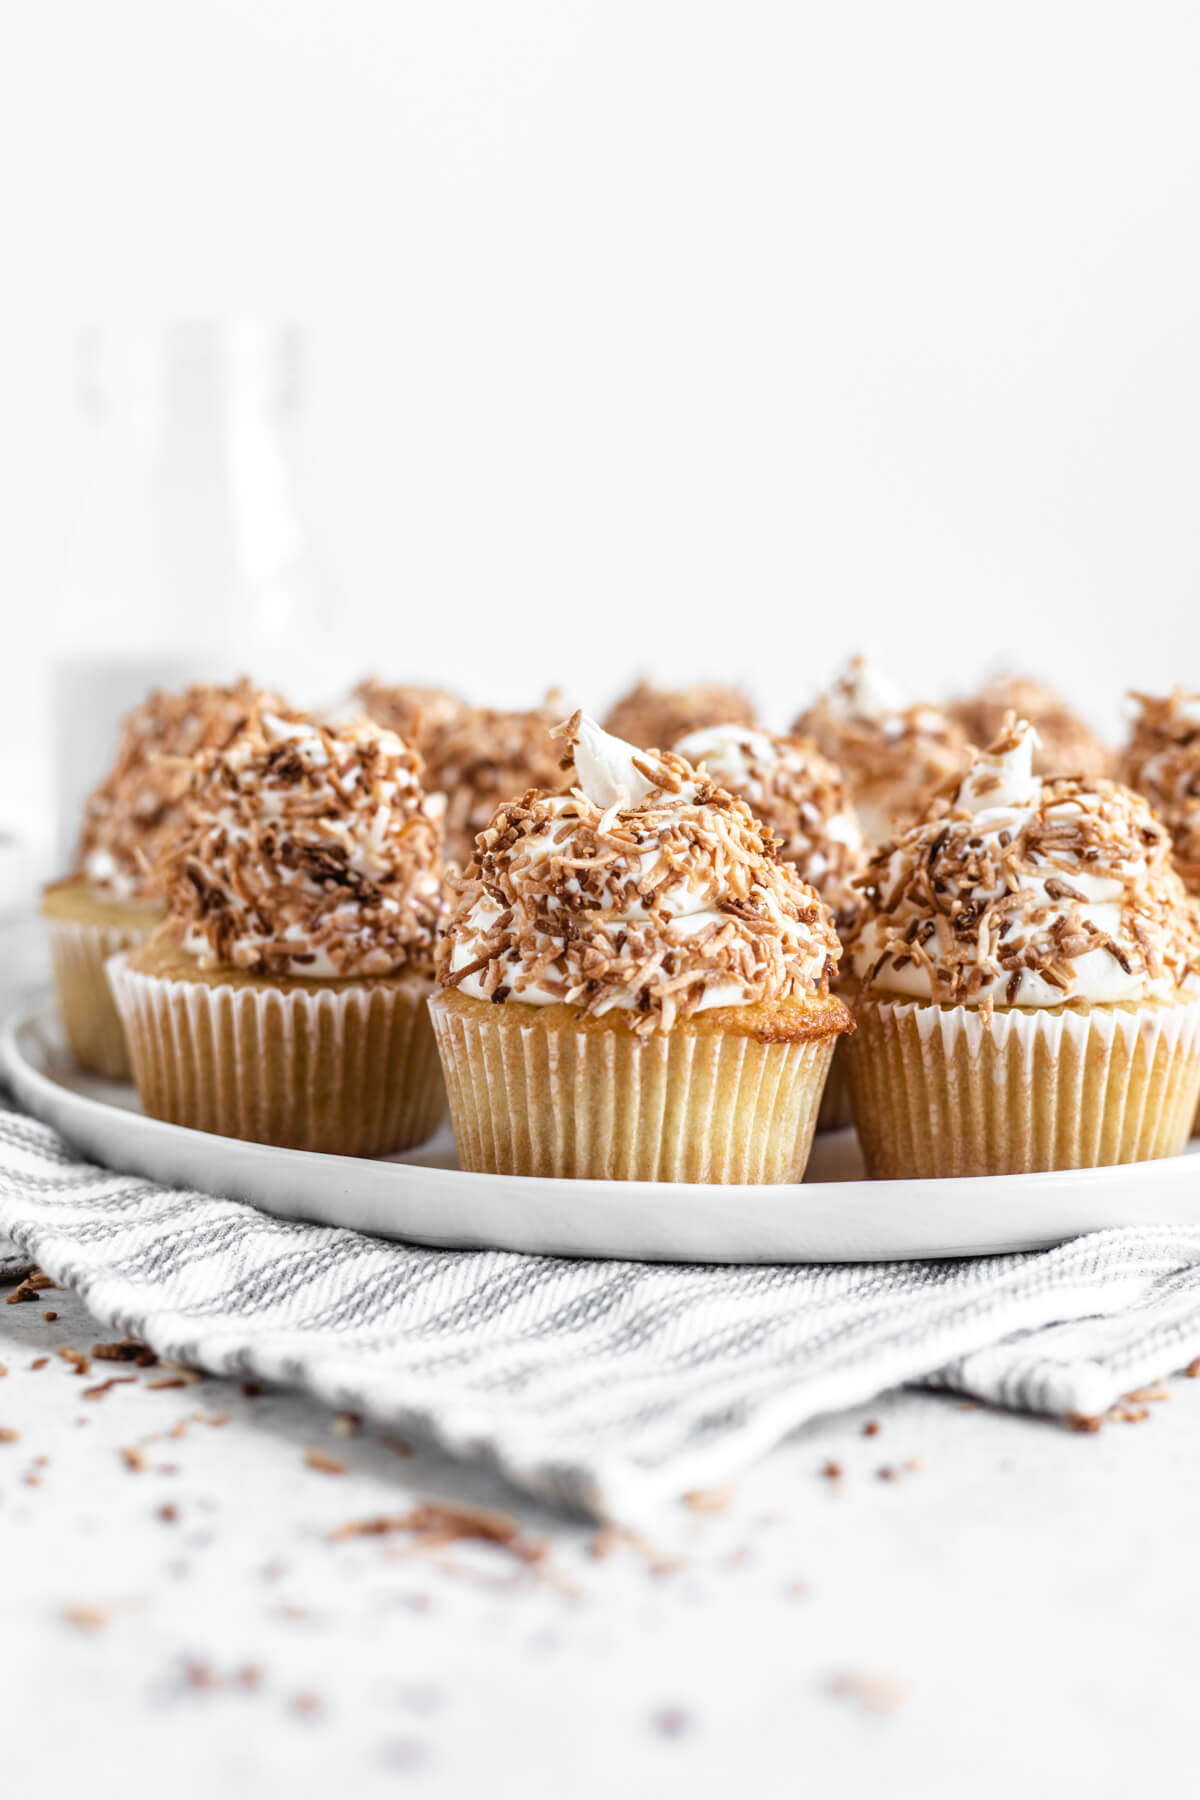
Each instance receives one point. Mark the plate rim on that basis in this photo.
(48, 1099)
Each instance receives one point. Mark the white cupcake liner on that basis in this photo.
(836, 1112)
(79, 949)
(349, 1070)
(943, 1091)
(539, 1097)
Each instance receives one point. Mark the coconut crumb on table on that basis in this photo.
(27, 1290)
(324, 1463)
(880, 1694)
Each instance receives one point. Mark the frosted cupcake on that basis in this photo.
(653, 718)
(1066, 745)
(893, 756)
(113, 898)
(634, 986)
(1162, 762)
(1024, 956)
(801, 797)
(284, 1000)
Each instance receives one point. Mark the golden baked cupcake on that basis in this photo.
(893, 756)
(654, 718)
(1162, 761)
(284, 1000)
(1066, 745)
(800, 795)
(634, 986)
(113, 898)
(476, 756)
(1024, 955)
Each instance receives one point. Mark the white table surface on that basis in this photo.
(1023, 1606)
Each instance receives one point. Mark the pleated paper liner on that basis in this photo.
(347, 1068)
(537, 1091)
(939, 1091)
(84, 932)
(836, 1113)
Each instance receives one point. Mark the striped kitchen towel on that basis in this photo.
(600, 1386)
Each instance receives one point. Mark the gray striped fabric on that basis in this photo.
(601, 1386)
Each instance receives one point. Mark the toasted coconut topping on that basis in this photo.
(310, 850)
(476, 756)
(894, 757)
(1163, 763)
(130, 819)
(1024, 892)
(645, 887)
(797, 792)
(1067, 746)
(655, 718)
(419, 715)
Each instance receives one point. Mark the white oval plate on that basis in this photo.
(422, 1196)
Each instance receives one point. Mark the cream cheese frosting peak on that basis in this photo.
(644, 887)
(1002, 777)
(863, 691)
(606, 768)
(311, 850)
(1026, 892)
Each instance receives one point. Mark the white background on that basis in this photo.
(681, 337)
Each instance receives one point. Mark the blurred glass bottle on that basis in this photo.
(189, 550)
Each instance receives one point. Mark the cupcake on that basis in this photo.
(419, 715)
(113, 897)
(476, 756)
(800, 795)
(893, 756)
(1024, 956)
(1066, 745)
(634, 986)
(284, 999)
(654, 718)
(1162, 761)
